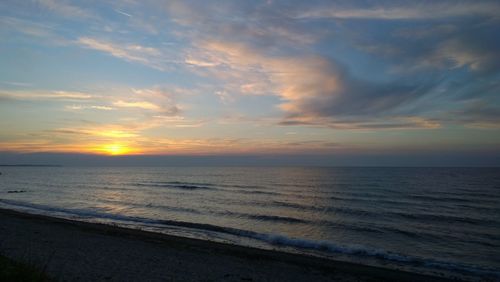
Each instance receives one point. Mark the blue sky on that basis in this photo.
(249, 77)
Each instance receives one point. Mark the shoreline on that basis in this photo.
(79, 251)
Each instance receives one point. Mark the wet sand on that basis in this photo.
(78, 251)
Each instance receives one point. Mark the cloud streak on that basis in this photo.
(130, 52)
(44, 95)
(405, 11)
(67, 10)
(140, 105)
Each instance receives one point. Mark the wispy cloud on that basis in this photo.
(159, 59)
(107, 131)
(163, 100)
(92, 107)
(391, 123)
(44, 95)
(405, 11)
(25, 26)
(16, 83)
(199, 63)
(66, 10)
(129, 52)
(139, 104)
(467, 52)
(265, 25)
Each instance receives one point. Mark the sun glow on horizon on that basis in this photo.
(116, 149)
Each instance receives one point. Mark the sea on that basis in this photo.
(439, 221)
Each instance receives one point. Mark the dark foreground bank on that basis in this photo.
(78, 251)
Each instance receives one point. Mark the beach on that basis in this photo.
(79, 251)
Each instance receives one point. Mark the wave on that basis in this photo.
(430, 198)
(82, 213)
(205, 186)
(272, 239)
(277, 218)
(187, 183)
(176, 185)
(272, 218)
(478, 195)
(425, 217)
(151, 205)
(325, 209)
(256, 192)
(242, 186)
(353, 226)
(329, 247)
(325, 246)
(377, 214)
(298, 206)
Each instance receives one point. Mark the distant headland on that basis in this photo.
(31, 165)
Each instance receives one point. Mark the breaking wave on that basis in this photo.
(272, 239)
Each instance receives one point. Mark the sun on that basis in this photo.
(115, 149)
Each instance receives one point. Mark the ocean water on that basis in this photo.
(441, 221)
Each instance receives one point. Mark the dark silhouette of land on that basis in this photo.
(29, 165)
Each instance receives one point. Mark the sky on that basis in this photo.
(343, 81)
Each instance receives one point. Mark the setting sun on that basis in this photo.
(116, 149)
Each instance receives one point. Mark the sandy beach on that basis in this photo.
(78, 251)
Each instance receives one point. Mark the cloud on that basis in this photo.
(467, 47)
(163, 99)
(483, 114)
(395, 122)
(148, 56)
(83, 107)
(445, 44)
(265, 49)
(67, 10)
(107, 131)
(16, 83)
(152, 101)
(198, 63)
(400, 11)
(161, 58)
(478, 53)
(315, 90)
(323, 63)
(44, 95)
(265, 25)
(176, 121)
(427, 31)
(102, 108)
(140, 105)
(26, 26)
(224, 97)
